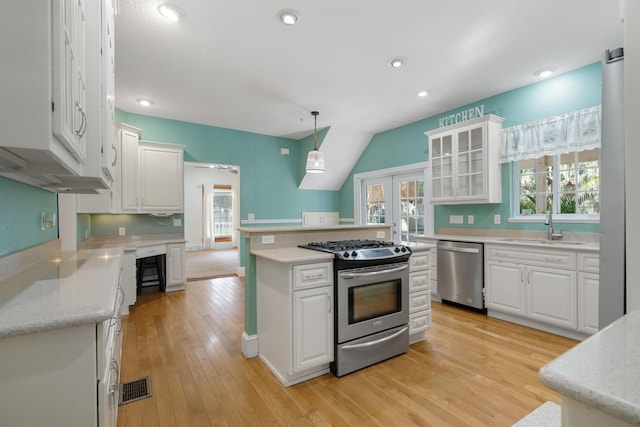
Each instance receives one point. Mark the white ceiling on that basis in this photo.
(233, 64)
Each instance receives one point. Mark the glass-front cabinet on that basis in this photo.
(464, 162)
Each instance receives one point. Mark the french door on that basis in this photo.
(397, 199)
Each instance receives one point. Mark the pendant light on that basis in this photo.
(315, 159)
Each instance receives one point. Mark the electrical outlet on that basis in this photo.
(456, 219)
(177, 222)
(268, 240)
(121, 231)
(379, 234)
(470, 219)
(251, 216)
(496, 219)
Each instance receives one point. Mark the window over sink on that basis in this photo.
(567, 184)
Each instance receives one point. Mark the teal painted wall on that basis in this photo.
(565, 93)
(20, 209)
(268, 180)
(108, 225)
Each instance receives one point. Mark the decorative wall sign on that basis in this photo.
(461, 116)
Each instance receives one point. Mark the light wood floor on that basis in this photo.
(471, 371)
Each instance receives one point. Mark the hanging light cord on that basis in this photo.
(315, 129)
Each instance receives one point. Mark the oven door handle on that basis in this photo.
(372, 273)
(376, 342)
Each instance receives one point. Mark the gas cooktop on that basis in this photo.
(360, 249)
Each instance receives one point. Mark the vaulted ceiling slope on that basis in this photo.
(233, 64)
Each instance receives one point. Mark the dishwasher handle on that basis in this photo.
(456, 249)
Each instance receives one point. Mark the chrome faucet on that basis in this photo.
(551, 235)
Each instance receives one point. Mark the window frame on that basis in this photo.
(516, 217)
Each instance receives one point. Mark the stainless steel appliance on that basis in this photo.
(612, 190)
(371, 302)
(461, 273)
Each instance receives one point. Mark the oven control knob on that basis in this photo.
(404, 249)
(354, 254)
(346, 254)
(397, 249)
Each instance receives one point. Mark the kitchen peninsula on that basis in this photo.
(280, 243)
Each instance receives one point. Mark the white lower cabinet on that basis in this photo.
(62, 377)
(295, 318)
(419, 295)
(551, 296)
(588, 292)
(313, 327)
(504, 287)
(176, 271)
(542, 288)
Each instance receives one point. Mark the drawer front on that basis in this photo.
(312, 275)
(419, 301)
(589, 263)
(543, 258)
(419, 261)
(419, 321)
(419, 281)
(153, 250)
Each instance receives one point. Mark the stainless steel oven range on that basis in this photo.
(371, 301)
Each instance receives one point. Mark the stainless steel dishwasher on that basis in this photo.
(461, 273)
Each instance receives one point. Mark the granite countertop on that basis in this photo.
(291, 228)
(567, 244)
(291, 255)
(130, 243)
(602, 372)
(70, 288)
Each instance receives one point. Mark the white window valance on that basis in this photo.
(567, 133)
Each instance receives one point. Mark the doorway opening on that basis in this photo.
(211, 217)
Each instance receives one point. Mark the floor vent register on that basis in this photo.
(131, 391)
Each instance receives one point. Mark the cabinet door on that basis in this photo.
(69, 80)
(470, 161)
(161, 179)
(588, 295)
(108, 122)
(312, 328)
(551, 296)
(504, 287)
(441, 155)
(176, 271)
(129, 170)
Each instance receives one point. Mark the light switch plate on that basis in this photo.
(379, 234)
(121, 231)
(177, 222)
(268, 240)
(251, 216)
(456, 219)
(496, 219)
(470, 219)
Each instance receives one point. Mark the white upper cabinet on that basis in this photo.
(161, 177)
(70, 75)
(50, 86)
(464, 162)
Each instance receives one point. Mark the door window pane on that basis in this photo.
(375, 204)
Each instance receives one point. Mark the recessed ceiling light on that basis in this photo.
(397, 62)
(545, 72)
(144, 102)
(289, 17)
(170, 12)
(423, 93)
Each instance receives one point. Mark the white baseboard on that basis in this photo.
(249, 345)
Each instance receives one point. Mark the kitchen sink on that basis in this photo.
(543, 242)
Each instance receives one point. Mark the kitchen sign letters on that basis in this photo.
(461, 116)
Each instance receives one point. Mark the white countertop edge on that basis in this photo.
(585, 247)
(291, 255)
(287, 229)
(49, 325)
(593, 372)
